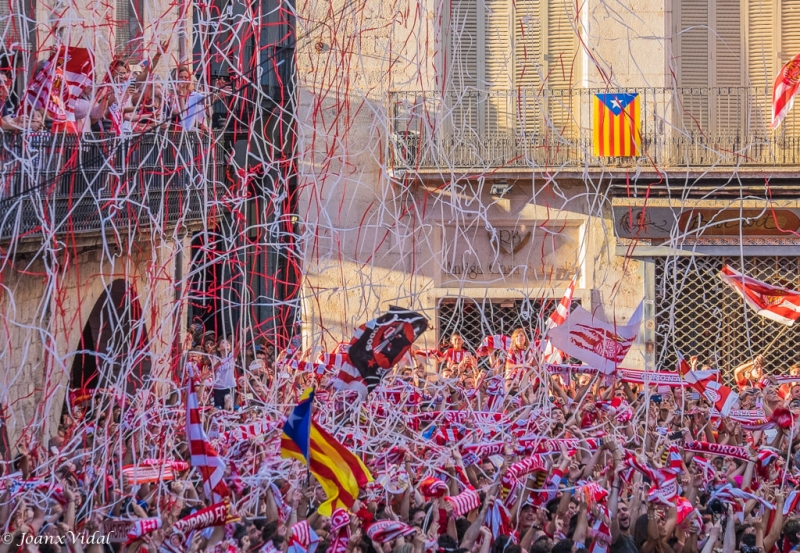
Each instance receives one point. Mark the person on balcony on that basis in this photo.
(233, 96)
(185, 106)
(9, 121)
(114, 101)
(119, 98)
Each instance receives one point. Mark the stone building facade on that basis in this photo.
(449, 167)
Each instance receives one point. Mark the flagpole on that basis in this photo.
(772, 343)
(308, 445)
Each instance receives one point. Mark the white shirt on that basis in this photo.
(224, 376)
(194, 113)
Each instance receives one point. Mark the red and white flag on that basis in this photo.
(778, 304)
(303, 539)
(784, 90)
(348, 378)
(60, 82)
(557, 317)
(494, 342)
(204, 456)
(707, 383)
(598, 343)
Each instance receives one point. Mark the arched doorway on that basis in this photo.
(113, 348)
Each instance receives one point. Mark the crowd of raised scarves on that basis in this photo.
(479, 451)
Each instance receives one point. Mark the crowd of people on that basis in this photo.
(131, 98)
(471, 452)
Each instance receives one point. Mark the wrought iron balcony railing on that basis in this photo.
(544, 128)
(66, 183)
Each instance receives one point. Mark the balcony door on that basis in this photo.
(727, 53)
(512, 67)
(773, 38)
(710, 67)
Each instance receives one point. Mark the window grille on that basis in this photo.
(698, 314)
(8, 26)
(474, 319)
(128, 37)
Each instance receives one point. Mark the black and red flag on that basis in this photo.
(377, 346)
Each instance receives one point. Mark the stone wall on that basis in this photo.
(373, 238)
(45, 306)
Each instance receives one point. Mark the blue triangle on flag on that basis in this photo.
(616, 101)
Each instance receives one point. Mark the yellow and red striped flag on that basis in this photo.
(616, 128)
(340, 473)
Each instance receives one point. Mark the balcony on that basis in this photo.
(681, 129)
(56, 184)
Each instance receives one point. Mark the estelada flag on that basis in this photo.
(784, 90)
(339, 472)
(779, 304)
(616, 125)
(379, 344)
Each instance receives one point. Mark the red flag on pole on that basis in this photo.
(59, 83)
(779, 304)
(784, 90)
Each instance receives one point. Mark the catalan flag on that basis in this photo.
(338, 471)
(616, 130)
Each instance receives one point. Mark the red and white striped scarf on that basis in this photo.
(464, 502)
(494, 342)
(203, 454)
(339, 536)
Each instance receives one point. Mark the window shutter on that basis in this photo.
(790, 47)
(129, 28)
(497, 44)
(123, 34)
(497, 64)
(528, 70)
(562, 62)
(8, 27)
(790, 32)
(464, 44)
(464, 47)
(728, 47)
(693, 62)
(727, 64)
(760, 43)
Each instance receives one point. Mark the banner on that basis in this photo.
(708, 448)
(596, 342)
(214, 515)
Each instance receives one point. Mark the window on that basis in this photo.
(475, 319)
(697, 314)
(9, 25)
(505, 57)
(730, 52)
(128, 37)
